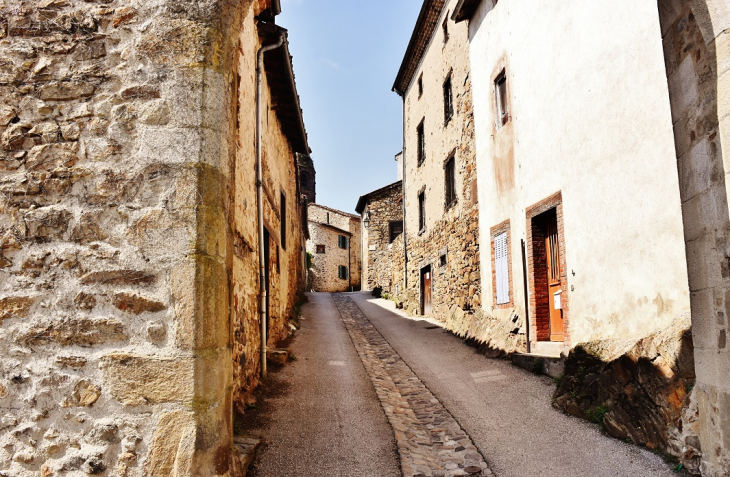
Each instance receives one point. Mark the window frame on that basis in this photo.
(391, 225)
(496, 232)
(342, 272)
(420, 86)
(421, 142)
(422, 211)
(448, 99)
(450, 182)
(321, 247)
(501, 98)
(445, 27)
(343, 242)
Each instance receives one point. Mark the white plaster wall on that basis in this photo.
(591, 118)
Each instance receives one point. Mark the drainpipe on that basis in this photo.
(260, 198)
(403, 200)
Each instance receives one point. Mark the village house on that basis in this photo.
(441, 222)
(382, 238)
(334, 247)
(132, 315)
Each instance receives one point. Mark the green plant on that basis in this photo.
(377, 292)
(292, 357)
(559, 380)
(690, 385)
(310, 260)
(538, 365)
(596, 414)
(678, 468)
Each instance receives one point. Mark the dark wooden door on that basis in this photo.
(426, 290)
(552, 252)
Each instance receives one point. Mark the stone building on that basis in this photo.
(307, 178)
(441, 218)
(129, 246)
(516, 119)
(382, 238)
(335, 247)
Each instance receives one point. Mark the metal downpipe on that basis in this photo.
(260, 199)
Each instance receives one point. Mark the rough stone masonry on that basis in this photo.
(118, 148)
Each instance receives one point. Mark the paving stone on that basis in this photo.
(426, 434)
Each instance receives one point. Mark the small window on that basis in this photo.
(422, 211)
(448, 101)
(450, 179)
(283, 221)
(328, 217)
(320, 248)
(342, 241)
(500, 93)
(501, 268)
(342, 272)
(305, 181)
(445, 27)
(442, 260)
(396, 228)
(420, 85)
(421, 151)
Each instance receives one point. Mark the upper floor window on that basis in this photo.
(420, 85)
(422, 211)
(448, 100)
(500, 94)
(445, 27)
(396, 228)
(320, 248)
(342, 241)
(450, 182)
(421, 138)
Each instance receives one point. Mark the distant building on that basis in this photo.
(382, 238)
(334, 245)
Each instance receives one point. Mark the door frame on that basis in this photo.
(537, 333)
(423, 270)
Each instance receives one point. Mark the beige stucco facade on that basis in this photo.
(327, 229)
(611, 160)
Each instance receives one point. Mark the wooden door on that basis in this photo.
(426, 290)
(552, 252)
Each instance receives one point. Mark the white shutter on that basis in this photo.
(501, 268)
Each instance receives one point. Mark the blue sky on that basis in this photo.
(346, 56)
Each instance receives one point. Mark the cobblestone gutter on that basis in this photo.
(430, 441)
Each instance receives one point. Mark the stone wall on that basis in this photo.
(696, 40)
(326, 225)
(380, 269)
(450, 231)
(118, 184)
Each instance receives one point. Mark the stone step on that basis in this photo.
(246, 446)
(278, 356)
(540, 364)
(552, 349)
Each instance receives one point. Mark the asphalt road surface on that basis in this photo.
(321, 416)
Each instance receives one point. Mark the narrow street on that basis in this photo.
(375, 393)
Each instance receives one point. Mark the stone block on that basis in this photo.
(46, 223)
(704, 321)
(15, 307)
(201, 303)
(164, 234)
(143, 92)
(75, 332)
(173, 445)
(48, 157)
(86, 393)
(683, 85)
(704, 263)
(66, 90)
(137, 304)
(136, 380)
(713, 17)
(695, 170)
(118, 277)
(123, 16)
(169, 145)
(176, 42)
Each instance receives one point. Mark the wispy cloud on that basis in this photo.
(329, 62)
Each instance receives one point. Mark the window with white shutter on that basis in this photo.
(501, 268)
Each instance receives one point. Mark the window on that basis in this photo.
(320, 248)
(305, 181)
(450, 179)
(422, 211)
(500, 93)
(445, 27)
(342, 241)
(342, 272)
(420, 86)
(283, 220)
(421, 151)
(396, 228)
(501, 268)
(442, 260)
(328, 217)
(448, 101)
